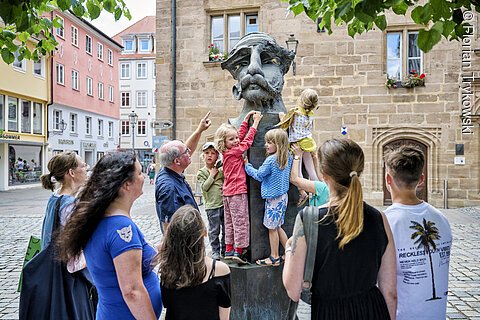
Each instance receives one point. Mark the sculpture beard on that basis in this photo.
(255, 87)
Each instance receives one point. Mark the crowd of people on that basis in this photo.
(359, 270)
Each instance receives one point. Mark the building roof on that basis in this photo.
(145, 25)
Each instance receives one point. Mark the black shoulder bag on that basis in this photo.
(310, 218)
(49, 291)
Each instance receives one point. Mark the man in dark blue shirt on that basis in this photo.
(171, 189)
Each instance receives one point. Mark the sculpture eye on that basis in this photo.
(271, 61)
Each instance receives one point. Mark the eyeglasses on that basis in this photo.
(185, 152)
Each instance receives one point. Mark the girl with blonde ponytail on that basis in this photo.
(355, 255)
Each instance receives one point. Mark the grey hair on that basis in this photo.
(168, 156)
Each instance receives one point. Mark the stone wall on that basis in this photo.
(349, 75)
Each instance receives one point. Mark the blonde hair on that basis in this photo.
(221, 135)
(343, 160)
(279, 137)
(308, 99)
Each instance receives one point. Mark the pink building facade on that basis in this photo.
(84, 115)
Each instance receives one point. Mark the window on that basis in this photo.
(403, 54)
(142, 127)
(37, 118)
(88, 44)
(125, 127)
(57, 120)
(12, 114)
(100, 91)
(141, 98)
(128, 45)
(125, 71)
(234, 29)
(60, 74)
(144, 45)
(88, 126)
(153, 99)
(75, 80)
(26, 119)
(110, 57)
(60, 31)
(125, 98)
(19, 64)
(110, 93)
(89, 86)
(110, 129)
(74, 36)
(100, 51)
(73, 122)
(141, 70)
(39, 67)
(100, 128)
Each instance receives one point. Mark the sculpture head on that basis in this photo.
(258, 63)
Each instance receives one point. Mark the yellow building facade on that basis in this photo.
(24, 96)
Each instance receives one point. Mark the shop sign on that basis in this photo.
(65, 141)
(9, 136)
(89, 145)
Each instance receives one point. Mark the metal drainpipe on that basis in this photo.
(51, 82)
(174, 69)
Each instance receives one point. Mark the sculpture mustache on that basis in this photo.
(258, 80)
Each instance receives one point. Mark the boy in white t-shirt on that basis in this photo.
(423, 239)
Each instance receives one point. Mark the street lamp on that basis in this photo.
(61, 126)
(133, 117)
(292, 45)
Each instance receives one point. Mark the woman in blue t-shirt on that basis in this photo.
(117, 255)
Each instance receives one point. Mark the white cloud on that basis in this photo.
(138, 9)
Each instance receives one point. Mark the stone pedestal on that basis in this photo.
(258, 293)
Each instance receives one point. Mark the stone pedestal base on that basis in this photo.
(258, 293)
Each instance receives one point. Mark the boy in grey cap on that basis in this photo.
(211, 178)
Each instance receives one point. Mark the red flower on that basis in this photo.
(422, 76)
(413, 71)
(394, 86)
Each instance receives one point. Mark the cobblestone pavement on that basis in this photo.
(21, 212)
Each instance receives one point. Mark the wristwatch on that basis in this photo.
(296, 157)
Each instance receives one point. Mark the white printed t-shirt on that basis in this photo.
(419, 295)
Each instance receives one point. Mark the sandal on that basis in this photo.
(273, 262)
(303, 198)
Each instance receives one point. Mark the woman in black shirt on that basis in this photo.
(193, 286)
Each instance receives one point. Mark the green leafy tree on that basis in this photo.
(426, 234)
(22, 20)
(440, 18)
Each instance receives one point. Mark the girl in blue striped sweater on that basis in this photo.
(274, 174)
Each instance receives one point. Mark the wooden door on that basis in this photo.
(422, 191)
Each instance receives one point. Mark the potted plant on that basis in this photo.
(414, 80)
(213, 53)
(391, 82)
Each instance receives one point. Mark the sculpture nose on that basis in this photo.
(255, 66)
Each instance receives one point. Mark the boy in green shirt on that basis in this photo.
(211, 178)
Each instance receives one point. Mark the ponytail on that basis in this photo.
(350, 213)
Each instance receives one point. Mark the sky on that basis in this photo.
(138, 9)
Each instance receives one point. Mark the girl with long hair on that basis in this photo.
(188, 277)
(274, 175)
(354, 273)
(117, 255)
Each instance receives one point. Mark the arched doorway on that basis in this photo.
(422, 191)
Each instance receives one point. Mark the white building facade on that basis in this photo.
(136, 69)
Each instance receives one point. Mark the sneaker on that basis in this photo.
(229, 255)
(216, 256)
(239, 258)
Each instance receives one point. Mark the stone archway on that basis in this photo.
(422, 191)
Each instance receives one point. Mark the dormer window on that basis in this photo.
(144, 45)
(128, 45)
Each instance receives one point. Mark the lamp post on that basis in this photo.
(133, 118)
(292, 45)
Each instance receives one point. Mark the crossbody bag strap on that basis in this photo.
(56, 214)
(310, 227)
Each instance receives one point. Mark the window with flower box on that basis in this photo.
(226, 30)
(404, 59)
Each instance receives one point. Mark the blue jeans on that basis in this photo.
(215, 223)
